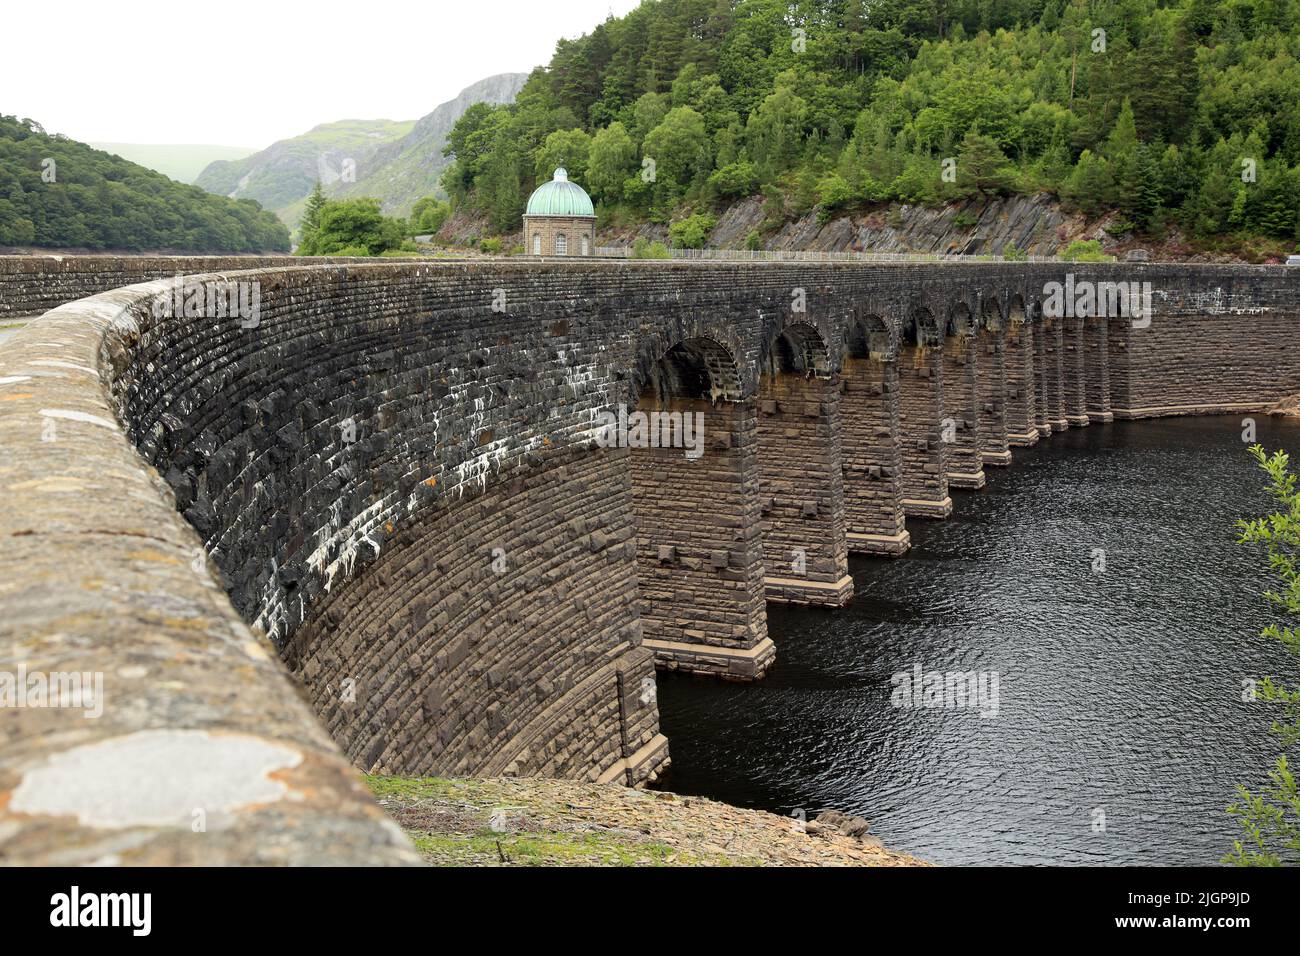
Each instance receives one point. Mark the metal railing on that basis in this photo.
(783, 255)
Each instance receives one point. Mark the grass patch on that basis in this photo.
(547, 849)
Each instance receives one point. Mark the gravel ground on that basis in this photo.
(539, 822)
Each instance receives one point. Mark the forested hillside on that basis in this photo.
(1182, 115)
(58, 193)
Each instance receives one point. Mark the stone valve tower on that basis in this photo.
(560, 220)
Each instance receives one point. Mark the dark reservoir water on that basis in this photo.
(1119, 693)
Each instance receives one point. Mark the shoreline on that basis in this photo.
(536, 821)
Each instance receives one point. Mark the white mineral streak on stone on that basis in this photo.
(12, 379)
(155, 778)
(350, 536)
(475, 470)
(72, 416)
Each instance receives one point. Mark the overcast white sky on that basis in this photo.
(241, 73)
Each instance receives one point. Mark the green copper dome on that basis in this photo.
(560, 197)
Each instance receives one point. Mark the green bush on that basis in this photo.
(1085, 250)
(692, 232)
(735, 180)
(428, 215)
(353, 224)
(1012, 253)
(490, 244)
(643, 248)
(835, 194)
(753, 241)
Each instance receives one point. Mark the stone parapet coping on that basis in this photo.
(197, 748)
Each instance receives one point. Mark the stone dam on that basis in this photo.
(378, 524)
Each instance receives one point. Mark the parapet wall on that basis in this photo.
(391, 474)
(31, 285)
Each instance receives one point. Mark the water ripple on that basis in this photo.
(1119, 692)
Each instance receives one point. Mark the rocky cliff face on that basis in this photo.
(282, 175)
(1033, 224)
(401, 172)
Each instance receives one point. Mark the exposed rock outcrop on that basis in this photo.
(1287, 408)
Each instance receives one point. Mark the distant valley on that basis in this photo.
(179, 161)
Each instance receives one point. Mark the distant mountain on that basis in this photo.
(397, 163)
(182, 162)
(400, 173)
(58, 193)
(285, 172)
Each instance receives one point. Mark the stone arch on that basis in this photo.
(728, 353)
(962, 320)
(869, 336)
(1017, 313)
(992, 315)
(922, 327)
(799, 348)
(697, 367)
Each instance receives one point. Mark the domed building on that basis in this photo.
(560, 220)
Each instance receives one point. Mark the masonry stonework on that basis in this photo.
(801, 487)
(1097, 371)
(700, 546)
(1020, 378)
(961, 423)
(991, 375)
(921, 414)
(873, 458)
(334, 486)
(1075, 386)
(559, 236)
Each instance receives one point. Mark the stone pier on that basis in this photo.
(1019, 344)
(699, 546)
(961, 422)
(920, 407)
(1097, 371)
(801, 478)
(991, 374)
(1054, 373)
(1074, 372)
(873, 457)
(1039, 334)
